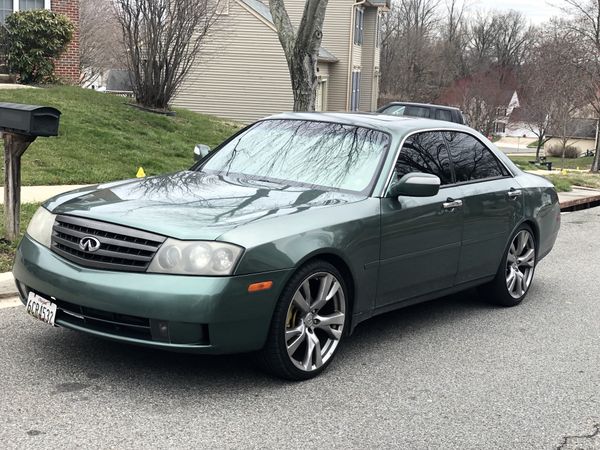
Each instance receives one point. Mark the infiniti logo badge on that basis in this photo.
(89, 244)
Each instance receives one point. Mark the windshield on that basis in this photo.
(325, 154)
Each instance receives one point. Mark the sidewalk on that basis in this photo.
(38, 194)
(579, 198)
(8, 291)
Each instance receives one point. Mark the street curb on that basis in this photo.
(8, 288)
(10, 302)
(580, 203)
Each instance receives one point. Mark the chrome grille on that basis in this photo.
(121, 248)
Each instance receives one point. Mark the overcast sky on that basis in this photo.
(536, 10)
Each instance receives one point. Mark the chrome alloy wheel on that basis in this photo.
(520, 264)
(315, 321)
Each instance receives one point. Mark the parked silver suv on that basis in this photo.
(427, 111)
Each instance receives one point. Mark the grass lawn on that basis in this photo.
(564, 182)
(7, 249)
(581, 163)
(102, 139)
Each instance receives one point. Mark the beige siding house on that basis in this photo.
(242, 74)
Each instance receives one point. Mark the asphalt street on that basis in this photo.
(455, 373)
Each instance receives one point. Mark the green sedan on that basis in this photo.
(287, 236)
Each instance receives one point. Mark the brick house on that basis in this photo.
(67, 67)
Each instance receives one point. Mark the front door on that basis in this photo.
(420, 237)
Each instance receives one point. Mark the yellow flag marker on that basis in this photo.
(564, 172)
(140, 173)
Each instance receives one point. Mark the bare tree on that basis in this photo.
(301, 48)
(409, 55)
(481, 95)
(512, 39)
(100, 42)
(547, 79)
(586, 26)
(483, 31)
(499, 39)
(163, 39)
(450, 56)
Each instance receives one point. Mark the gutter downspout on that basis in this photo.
(350, 53)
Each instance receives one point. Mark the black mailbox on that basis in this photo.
(29, 120)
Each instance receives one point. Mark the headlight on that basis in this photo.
(40, 227)
(195, 258)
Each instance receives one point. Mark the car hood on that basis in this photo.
(192, 205)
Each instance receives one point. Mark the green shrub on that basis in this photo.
(557, 151)
(34, 40)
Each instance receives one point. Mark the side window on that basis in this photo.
(417, 111)
(471, 159)
(443, 114)
(427, 153)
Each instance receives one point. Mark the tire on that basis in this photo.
(307, 325)
(515, 274)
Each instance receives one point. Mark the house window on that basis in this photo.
(25, 5)
(359, 15)
(501, 111)
(355, 99)
(7, 7)
(321, 100)
(499, 128)
(378, 31)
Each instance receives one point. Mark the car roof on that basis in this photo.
(396, 125)
(427, 105)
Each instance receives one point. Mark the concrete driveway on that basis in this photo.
(453, 373)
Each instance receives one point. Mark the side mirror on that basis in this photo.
(200, 151)
(415, 184)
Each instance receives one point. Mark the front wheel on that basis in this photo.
(308, 323)
(515, 274)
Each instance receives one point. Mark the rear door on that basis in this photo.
(420, 237)
(492, 206)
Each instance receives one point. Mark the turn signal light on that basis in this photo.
(262, 286)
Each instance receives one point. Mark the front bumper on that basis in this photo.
(182, 313)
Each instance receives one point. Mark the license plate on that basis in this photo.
(41, 309)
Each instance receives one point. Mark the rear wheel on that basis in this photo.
(308, 323)
(515, 274)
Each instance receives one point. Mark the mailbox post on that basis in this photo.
(20, 125)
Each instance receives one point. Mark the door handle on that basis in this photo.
(514, 193)
(452, 204)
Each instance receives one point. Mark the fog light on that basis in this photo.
(163, 329)
(160, 330)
